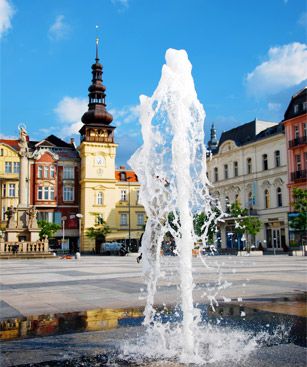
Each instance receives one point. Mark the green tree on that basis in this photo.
(47, 229)
(200, 221)
(99, 230)
(299, 204)
(244, 224)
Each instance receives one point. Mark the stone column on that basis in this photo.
(23, 181)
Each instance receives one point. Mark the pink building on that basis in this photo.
(295, 122)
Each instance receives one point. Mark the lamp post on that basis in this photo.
(63, 229)
(79, 216)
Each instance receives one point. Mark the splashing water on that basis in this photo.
(171, 167)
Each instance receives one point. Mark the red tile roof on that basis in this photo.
(12, 143)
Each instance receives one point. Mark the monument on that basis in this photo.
(22, 223)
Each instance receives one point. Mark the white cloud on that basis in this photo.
(59, 29)
(274, 107)
(6, 13)
(69, 111)
(125, 115)
(286, 67)
(122, 3)
(8, 137)
(302, 20)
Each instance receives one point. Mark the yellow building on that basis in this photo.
(9, 176)
(106, 194)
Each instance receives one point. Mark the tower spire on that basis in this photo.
(97, 43)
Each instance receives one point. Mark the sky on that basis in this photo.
(248, 57)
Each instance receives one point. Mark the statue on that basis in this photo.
(32, 213)
(23, 142)
(10, 213)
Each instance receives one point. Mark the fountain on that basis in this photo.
(171, 166)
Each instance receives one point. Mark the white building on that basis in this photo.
(249, 165)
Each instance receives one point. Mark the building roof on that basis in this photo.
(13, 143)
(297, 100)
(129, 175)
(54, 140)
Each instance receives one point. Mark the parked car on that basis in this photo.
(113, 248)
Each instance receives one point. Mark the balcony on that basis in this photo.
(297, 141)
(297, 176)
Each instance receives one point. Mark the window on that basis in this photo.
(235, 169)
(3, 213)
(137, 196)
(40, 172)
(46, 193)
(51, 171)
(40, 193)
(305, 106)
(68, 193)
(216, 174)
(46, 170)
(225, 171)
(265, 162)
(298, 162)
(123, 176)
(279, 197)
(51, 193)
(46, 216)
(99, 198)
(8, 167)
(123, 195)
(1, 152)
(305, 129)
(4, 190)
(123, 219)
(249, 165)
(227, 204)
(295, 108)
(266, 199)
(68, 173)
(12, 190)
(296, 132)
(277, 158)
(140, 219)
(250, 199)
(16, 167)
(99, 219)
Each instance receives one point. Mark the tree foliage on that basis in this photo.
(300, 207)
(243, 222)
(47, 229)
(100, 230)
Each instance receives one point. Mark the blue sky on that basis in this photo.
(248, 57)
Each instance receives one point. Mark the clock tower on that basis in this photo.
(97, 153)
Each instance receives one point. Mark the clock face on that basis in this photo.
(99, 161)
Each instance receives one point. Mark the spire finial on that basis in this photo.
(97, 43)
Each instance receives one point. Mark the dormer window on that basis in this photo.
(295, 108)
(123, 176)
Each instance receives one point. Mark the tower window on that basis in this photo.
(99, 198)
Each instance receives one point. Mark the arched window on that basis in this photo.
(249, 165)
(279, 196)
(266, 198)
(99, 198)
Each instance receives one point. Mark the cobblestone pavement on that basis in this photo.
(32, 287)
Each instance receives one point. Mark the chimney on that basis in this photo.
(122, 167)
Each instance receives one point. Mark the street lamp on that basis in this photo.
(79, 216)
(63, 229)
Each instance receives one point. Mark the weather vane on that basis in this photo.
(97, 38)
